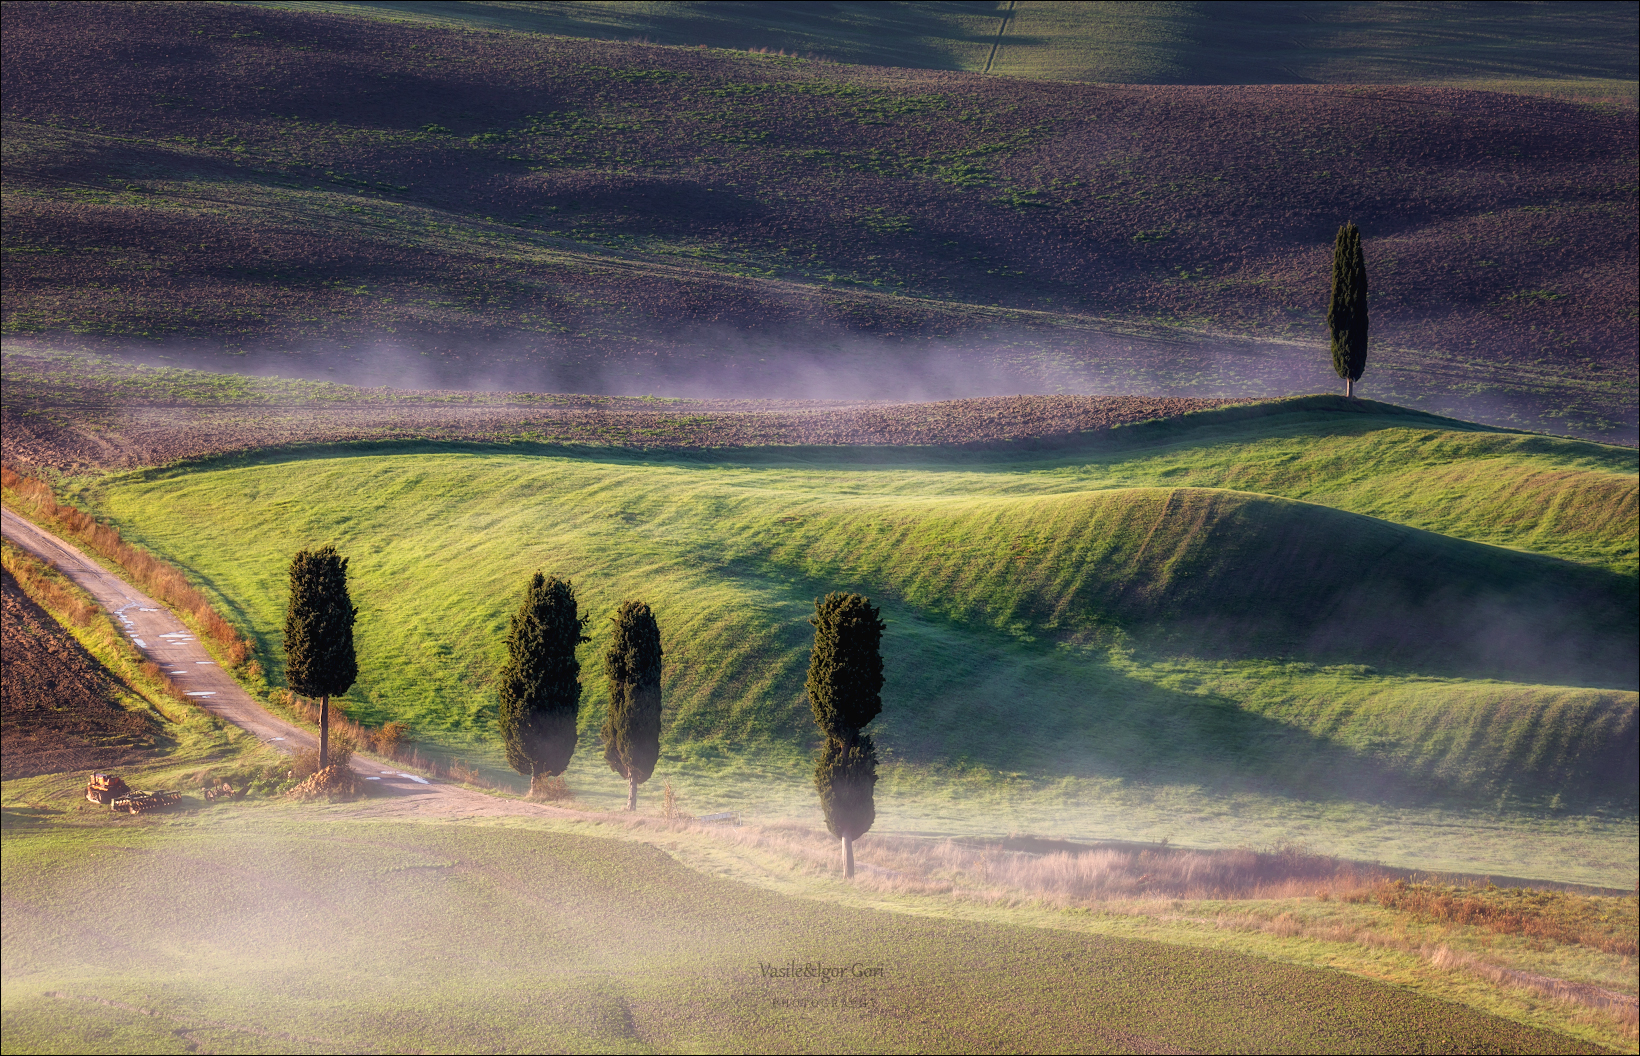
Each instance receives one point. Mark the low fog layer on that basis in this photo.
(725, 363)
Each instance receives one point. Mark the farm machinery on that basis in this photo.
(106, 788)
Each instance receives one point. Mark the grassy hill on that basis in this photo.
(1574, 48)
(1053, 615)
(494, 208)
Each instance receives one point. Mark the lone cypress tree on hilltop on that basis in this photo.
(319, 660)
(632, 733)
(540, 680)
(844, 687)
(1347, 308)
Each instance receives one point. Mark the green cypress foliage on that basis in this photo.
(632, 732)
(845, 777)
(845, 680)
(844, 687)
(1347, 308)
(540, 680)
(319, 660)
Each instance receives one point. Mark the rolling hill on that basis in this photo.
(1572, 48)
(1148, 629)
(494, 208)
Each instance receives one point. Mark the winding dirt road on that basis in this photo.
(165, 640)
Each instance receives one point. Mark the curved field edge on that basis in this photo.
(185, 737)
(613, 943)
(1525, 491)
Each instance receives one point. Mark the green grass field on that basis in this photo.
(265, 929)
(1583, 49)
(1063, 651)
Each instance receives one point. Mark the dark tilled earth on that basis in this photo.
(59, 705)
(128, 435)
(508, 205)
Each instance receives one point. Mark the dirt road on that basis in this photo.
(165, 640)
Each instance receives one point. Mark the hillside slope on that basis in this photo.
(1041, 621)
(1572, 47)
(517, 210)
(1217, 573)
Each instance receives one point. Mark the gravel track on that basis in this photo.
(163, 638)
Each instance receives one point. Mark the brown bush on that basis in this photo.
(59, 599)
(1547, 916)
(550, 789)
(336, 782)
(391, 741)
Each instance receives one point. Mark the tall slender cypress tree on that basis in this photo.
(1347, 308)
(540, 680)
(844, 687)
(319, 660)
(632, 732)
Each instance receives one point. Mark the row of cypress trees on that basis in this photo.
(541, 697)
(541, 686)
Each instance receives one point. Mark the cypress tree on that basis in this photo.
(319, 660)
(540, 680)
(844, 688)
(1347, 308)
(632, 733)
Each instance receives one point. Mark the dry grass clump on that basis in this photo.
(335, 781)
(545, 789)
(1079, 876)
(50, 592)
(1623, 1005)
(391, 741)
(1545, 916)
(153, 575)
(306, 763)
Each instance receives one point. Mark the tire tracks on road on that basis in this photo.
(163, 638)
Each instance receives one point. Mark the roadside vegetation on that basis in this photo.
(80, 697)
(1424, 750)
(35, 498)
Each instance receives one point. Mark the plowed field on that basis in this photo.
(67, 415)
(514, 210)
(61, 707)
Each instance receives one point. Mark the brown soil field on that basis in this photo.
(60, 706)
(508, 210)
(62, 415)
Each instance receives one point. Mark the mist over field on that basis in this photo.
(724, 362)
(542, 391)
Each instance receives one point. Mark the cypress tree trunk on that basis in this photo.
(631, 791)
(848, 857)
(324, 731)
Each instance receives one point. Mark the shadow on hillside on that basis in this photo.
(1044, 716)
